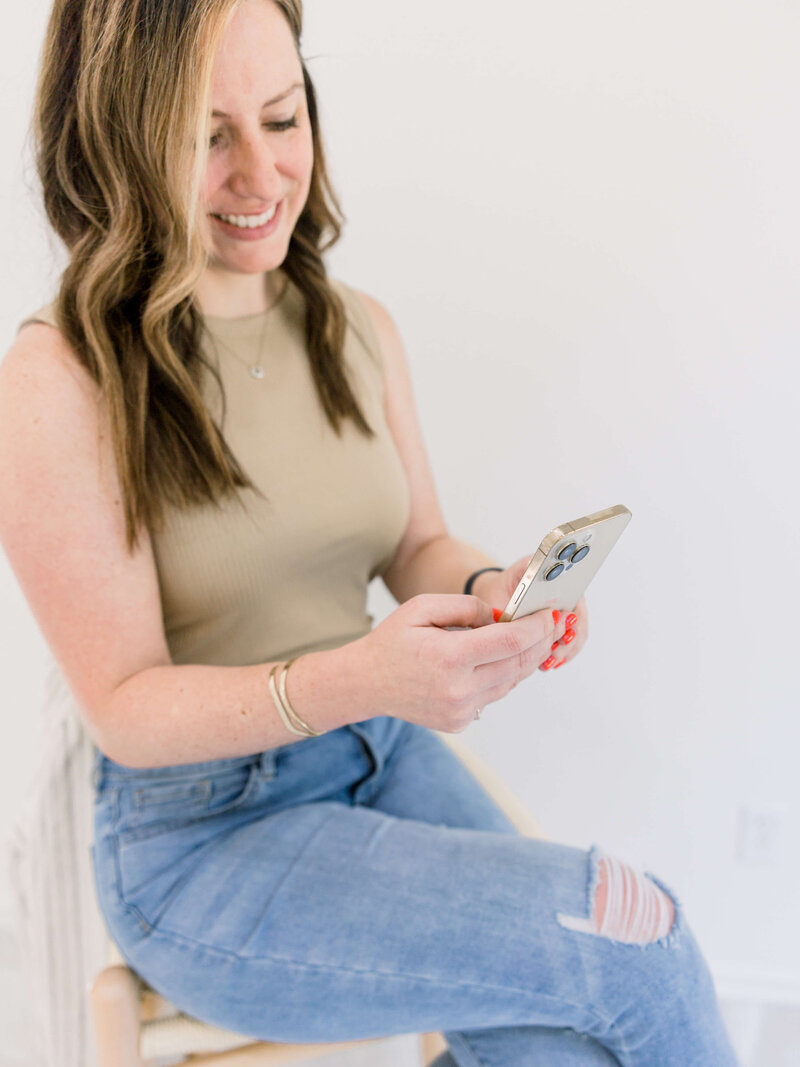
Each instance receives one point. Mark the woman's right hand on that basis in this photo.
(420, 671)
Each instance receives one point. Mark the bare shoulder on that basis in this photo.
(50, 407)
(379, 316)
(40, 353)
(386, 332)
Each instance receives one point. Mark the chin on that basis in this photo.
(250, 262)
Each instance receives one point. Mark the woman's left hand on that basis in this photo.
(495, 588)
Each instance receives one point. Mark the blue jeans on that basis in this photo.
(363, 884)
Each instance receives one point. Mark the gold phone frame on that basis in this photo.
(599, 531)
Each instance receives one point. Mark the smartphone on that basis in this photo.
(565, 562)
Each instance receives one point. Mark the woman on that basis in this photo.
(207, 451)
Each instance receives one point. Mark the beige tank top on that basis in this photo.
(289, 573)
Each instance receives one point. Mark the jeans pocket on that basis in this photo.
(149, 807)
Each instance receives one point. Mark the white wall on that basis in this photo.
(584, 218)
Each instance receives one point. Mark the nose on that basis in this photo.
(255, 172)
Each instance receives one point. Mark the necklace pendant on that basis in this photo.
(257, 371)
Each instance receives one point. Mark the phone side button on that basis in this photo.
(522, 589)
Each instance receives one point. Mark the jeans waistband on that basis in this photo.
(106, 770)
(378, 734)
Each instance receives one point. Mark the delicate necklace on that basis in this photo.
(256, 369)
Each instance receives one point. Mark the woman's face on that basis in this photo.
(261, 152)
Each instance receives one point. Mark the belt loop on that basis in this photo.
(266, 763)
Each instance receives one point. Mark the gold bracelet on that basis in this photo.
(291, 720)
(276, 700)
(301, 723)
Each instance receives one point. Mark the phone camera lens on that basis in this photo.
(582, 553)
(567, 551)
(554, 572)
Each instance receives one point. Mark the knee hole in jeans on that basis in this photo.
(627, 906)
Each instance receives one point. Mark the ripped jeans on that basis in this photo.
(362, 884)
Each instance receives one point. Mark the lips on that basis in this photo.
(250, 232)
(248, 222)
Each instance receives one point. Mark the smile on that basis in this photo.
(249, 222)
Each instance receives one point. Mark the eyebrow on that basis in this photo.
(268, 103)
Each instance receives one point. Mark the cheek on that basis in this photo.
(214, 180)
(300, 160)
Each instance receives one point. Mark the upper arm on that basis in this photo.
(425, 518)
(62, 523)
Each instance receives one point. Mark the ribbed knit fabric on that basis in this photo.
(240, 585)
(258, 578)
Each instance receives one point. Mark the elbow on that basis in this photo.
(106, 727)
(111, 745)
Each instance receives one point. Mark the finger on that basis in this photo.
(567, 648)
(492, 694)
(575, 633)
(495, 643)
(511, 671)
(443, 609)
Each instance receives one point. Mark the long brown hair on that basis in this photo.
(120, 127)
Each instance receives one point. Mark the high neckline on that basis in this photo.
(248, 326)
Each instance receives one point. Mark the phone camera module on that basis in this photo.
(566, 551)
(554, 572)
(582, 553)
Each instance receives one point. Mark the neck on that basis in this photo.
(228, 296)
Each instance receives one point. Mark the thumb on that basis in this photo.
(451, 610)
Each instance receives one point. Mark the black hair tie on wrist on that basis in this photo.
(472, 577)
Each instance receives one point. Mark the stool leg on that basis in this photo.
(433, 1045)
(114, 998)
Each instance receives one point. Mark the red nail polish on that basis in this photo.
(561, 664)
(548, 663)
(556, 617)
(554, 646)
(568, 636)
(571, 620)
(496, 613)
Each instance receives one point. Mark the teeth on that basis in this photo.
(249, 222)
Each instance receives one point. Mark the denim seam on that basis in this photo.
(327, 968)
(459, 1042)
(282, 882)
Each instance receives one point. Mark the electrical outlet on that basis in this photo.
(760, 834)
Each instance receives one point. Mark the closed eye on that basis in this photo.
(285, 124)
(278, 126)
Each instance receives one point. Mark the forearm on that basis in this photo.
(176, 714)
(192, 713)
(440, 566)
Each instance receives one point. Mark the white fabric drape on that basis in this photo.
(62, 935)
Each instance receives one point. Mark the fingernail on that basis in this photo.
(556, 617)
(561, 664)
(548, 663)
(496, 613)
(571, 620)
(568, 636)
(554, 646)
